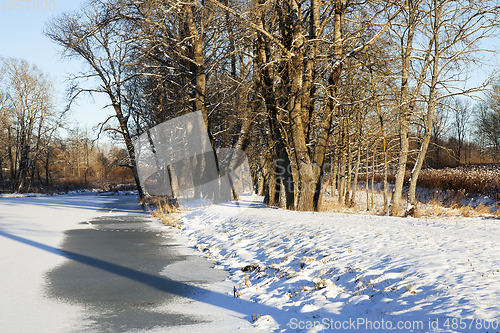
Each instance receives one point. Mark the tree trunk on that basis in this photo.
(22, 171)
(47, 159)
(342, 171)
(333, 175)
(128, 143)
(308, 99)
(386, 192)
(356, 174)
(202, 166)
(367, 170)
(374, 164)
(349, 173)
(297, 127)
(12, 163)
(404, 115)
(280, 168)
(1, 171)
(412, 201)
(174, 184)
(395, 206)
(241, 145)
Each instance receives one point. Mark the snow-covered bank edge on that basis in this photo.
(313, 271)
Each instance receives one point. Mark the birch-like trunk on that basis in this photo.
(128, 143)
(431, 104)
(349, 173)
(404, 113)
(356, 175)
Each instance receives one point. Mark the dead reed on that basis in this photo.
(162, 208)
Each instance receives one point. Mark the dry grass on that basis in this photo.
(332, 204)
(435, 209)
(483, 179)
(442, 204)
(163, 208)
(483, 210)
(466, 211)
(480, 210)
(453, 192)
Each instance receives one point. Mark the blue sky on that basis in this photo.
(21, 37)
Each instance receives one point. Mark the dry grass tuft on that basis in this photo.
(332, 204)
(417, 211)
(482, 210)
(162, 209)
(434, 209)
(483, 179)
(438, 210)
(466, 211)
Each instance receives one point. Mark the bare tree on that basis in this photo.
(408, 28)
(447, 35)
(27, 115)
(439, 130)
(106, 50)
(461, 110)
(487, 124)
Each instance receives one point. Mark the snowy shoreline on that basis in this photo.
(319, 268)
(289, 271)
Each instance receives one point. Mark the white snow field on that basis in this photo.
(293, 271)
(320, 272)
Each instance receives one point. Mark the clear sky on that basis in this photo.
(21, 37)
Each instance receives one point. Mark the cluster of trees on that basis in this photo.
(487, 125)
(306, 87)
(28, 122)
(79, 159)
(32, 151)
(466, 133)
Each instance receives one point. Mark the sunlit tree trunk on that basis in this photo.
(404, 111)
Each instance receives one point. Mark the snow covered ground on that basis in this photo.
(318, 272)
(290, 271)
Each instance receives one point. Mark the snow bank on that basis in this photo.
(316, 271)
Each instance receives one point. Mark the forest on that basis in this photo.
(34, 155)
(317, 93)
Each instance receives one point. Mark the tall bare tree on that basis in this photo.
(446, 39)
(106, 50)
(27, 115)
